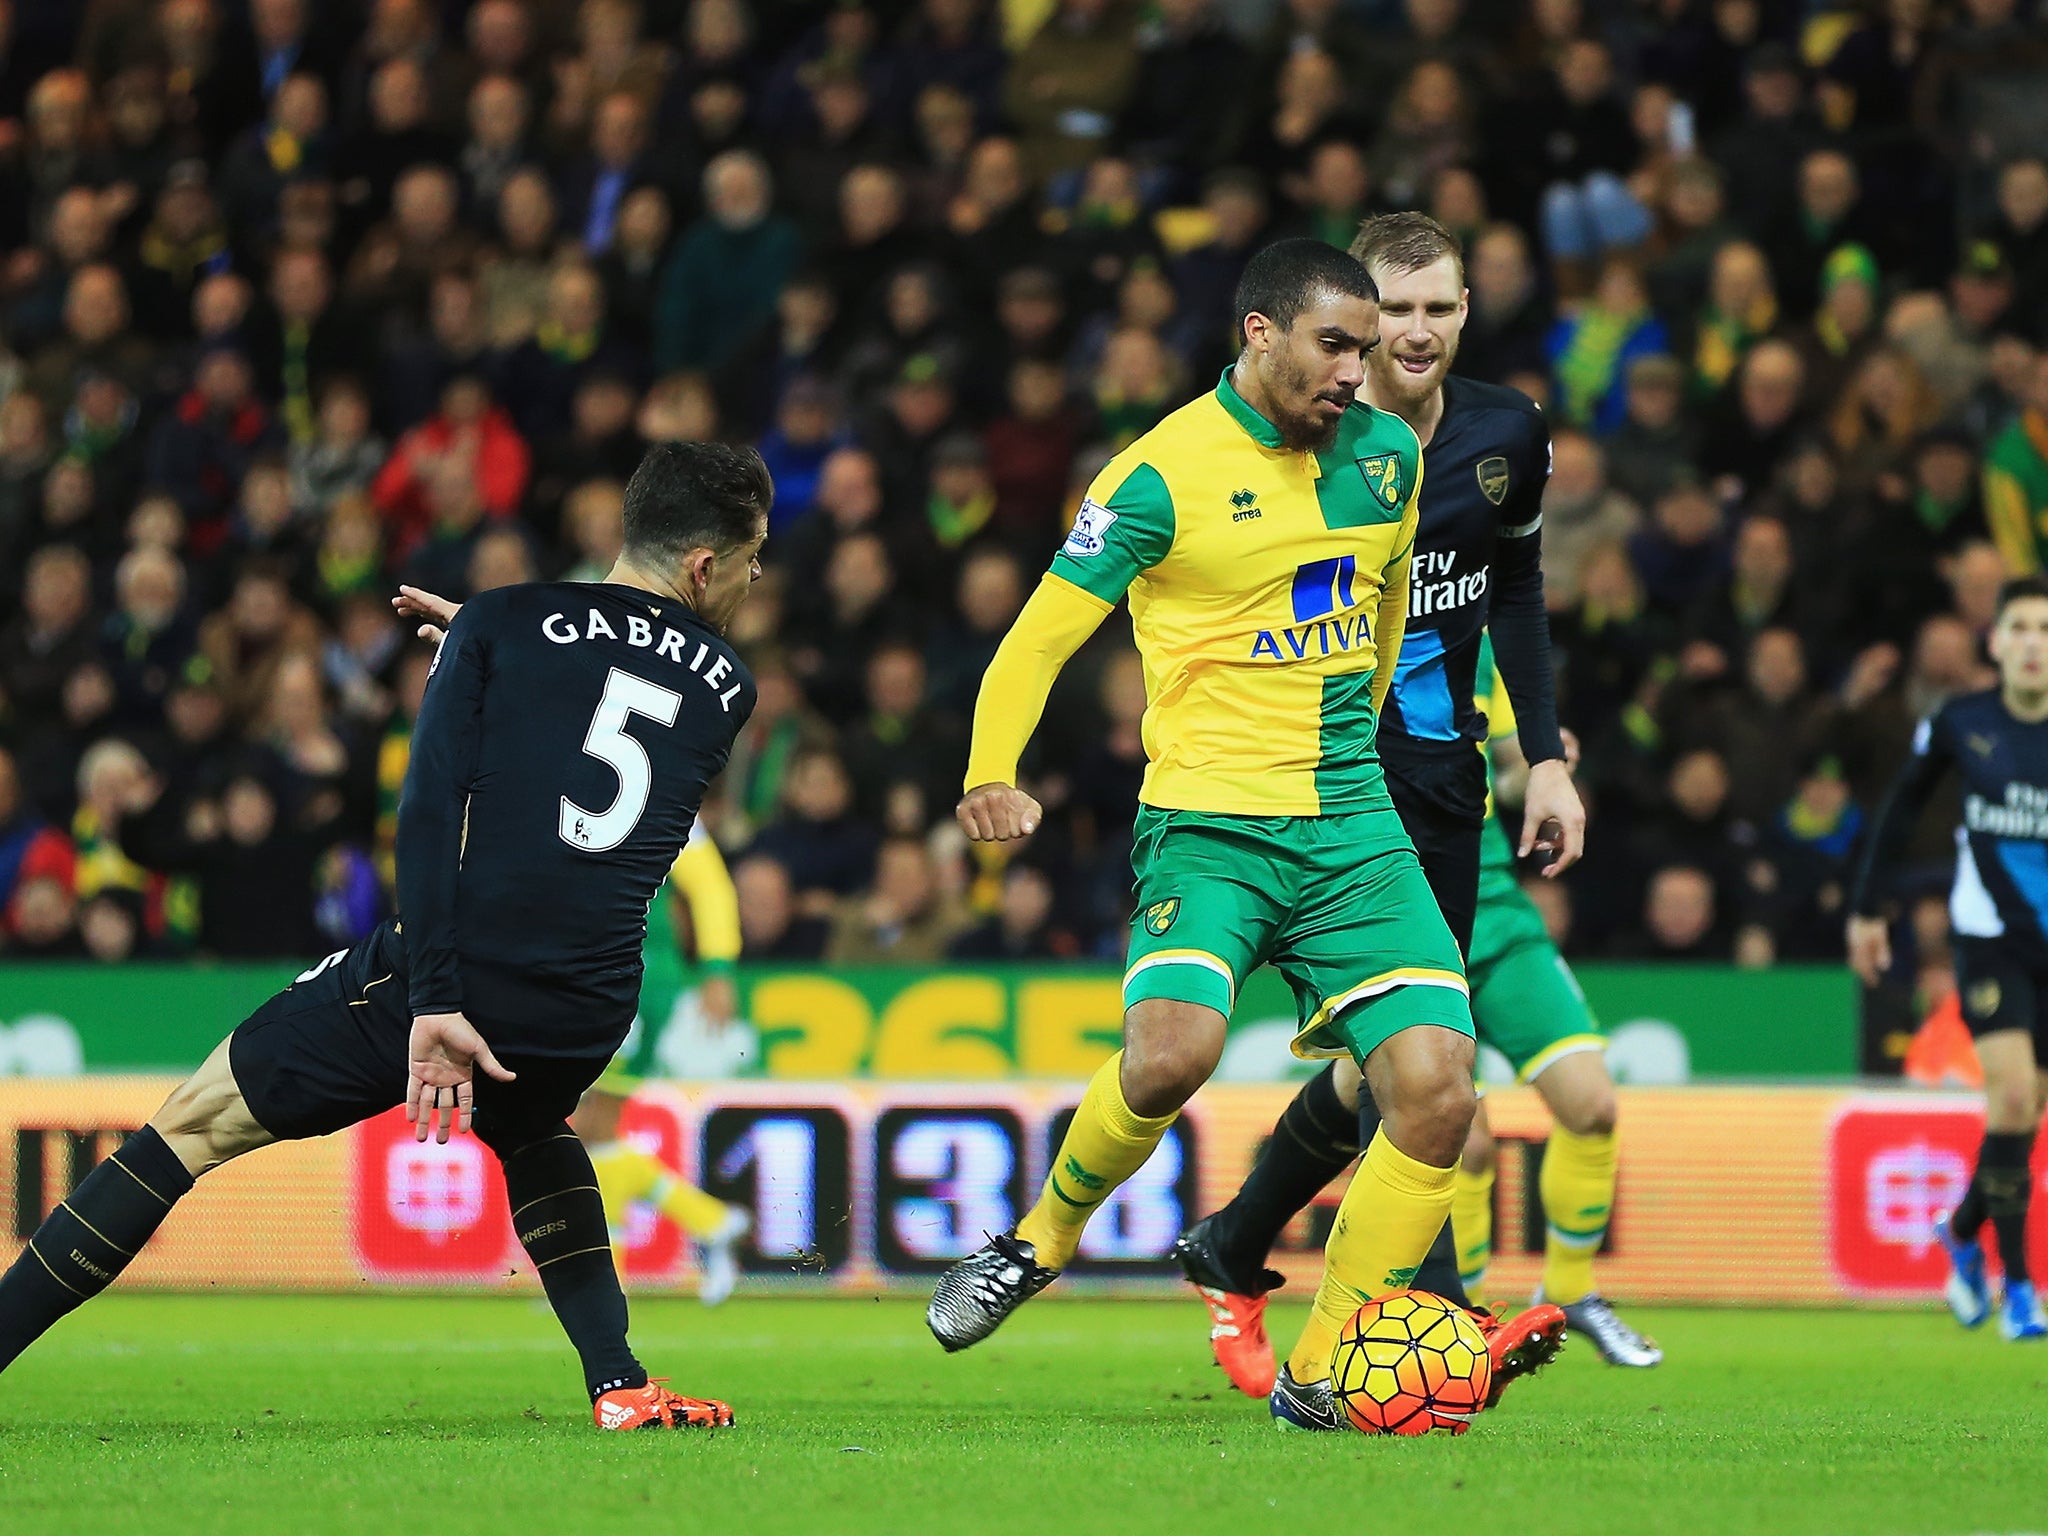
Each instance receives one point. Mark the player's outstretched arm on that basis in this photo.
(440, 1063)
(1053, 625)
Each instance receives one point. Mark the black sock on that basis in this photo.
(1439, 1273)
(2008, 1186)
(89, 1239)
(1310, 1146)
(559, 1217)
(1966, 1221)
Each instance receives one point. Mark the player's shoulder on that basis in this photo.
(1366, 429)
(1137, 483)
(1983, 709)
(1186, 432)
(1513, 410)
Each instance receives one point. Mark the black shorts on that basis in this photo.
(1444, 819)
(2001, 989)
(329, 1051)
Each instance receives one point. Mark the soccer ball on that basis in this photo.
(1411, 1362)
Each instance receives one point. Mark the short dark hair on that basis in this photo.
(2019, 589)
(687, 496)
(1400, 243)
(1288, 276)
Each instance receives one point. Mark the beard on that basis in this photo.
(1396, 383)
(1304, 431)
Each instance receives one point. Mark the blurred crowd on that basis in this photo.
(300, 300)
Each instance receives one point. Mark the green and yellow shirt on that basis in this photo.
(1266, 585)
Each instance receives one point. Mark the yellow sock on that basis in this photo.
(697, 1213)
(1472, 1223)
(1106, 1144)
(1578, 1194)
(1391, 1214)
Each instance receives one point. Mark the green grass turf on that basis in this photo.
(226, 1415)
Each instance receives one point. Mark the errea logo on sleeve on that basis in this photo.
(1091, 525)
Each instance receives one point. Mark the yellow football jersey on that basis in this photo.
(1260, 578)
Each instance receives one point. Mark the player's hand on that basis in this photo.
(444, 1051)
(1553, 819)
(998, 813)
(1870, 948)
(719, 999)
(437, 611)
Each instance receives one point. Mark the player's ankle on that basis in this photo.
(624, 1381)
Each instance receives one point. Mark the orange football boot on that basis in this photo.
(1520, 1345)
(1237, 1319)
(655, 1407)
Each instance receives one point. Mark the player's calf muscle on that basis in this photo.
(205, 1121)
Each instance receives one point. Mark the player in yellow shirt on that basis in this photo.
(629, 1177)
(1263, 535)
(626, 1175)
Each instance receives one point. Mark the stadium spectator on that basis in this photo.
(2016, 478)
(52, 635)
(300, 303)
(1681, 918)
(1591, 348)
(475, 440)
(770, 927)
(828, 852)
(1022, 928)
(1656, 443)
(904, 918)
(721, 283)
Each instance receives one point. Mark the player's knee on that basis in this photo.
(2010, 1106)
(205, 1123)
(1591, 1114)
(1431, 1115)
(1170, 1050)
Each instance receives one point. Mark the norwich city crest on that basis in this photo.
(1382, 472)
(1160, 915)
(1493, 478)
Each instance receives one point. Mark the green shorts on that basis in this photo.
(1338, 904)
(1525, 1000)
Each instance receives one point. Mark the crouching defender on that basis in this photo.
(563, 748)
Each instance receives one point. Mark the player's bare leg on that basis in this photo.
(102, 1224)
(1578, 1196)
(1319, 1126)
(1170, 1049)
(1394, 1209)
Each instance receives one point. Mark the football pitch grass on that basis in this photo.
(226, 1415)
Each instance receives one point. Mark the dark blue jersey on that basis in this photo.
(2001, 880)
(567, 737)
(1478, 564)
